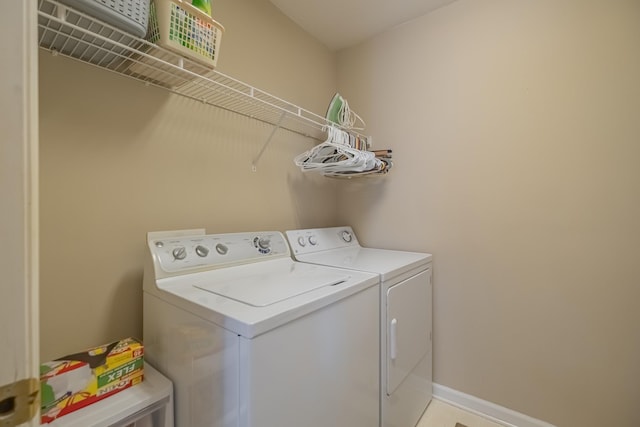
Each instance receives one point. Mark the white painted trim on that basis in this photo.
(496, 413)
(19, 314)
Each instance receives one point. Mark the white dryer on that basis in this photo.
(405, 314)
(251, 338)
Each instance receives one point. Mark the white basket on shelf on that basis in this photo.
(182, 28)
(130, 16)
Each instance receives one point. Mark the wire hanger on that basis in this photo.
(348, 118)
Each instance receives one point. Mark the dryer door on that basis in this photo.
(408, 320)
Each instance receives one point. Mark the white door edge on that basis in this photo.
(19, 315)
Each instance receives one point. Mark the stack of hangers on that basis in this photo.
(344, 155)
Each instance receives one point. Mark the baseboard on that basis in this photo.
(493, 412)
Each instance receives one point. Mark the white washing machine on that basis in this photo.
(405, 314)
(251, 338)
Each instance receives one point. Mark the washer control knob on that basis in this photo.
(313, 240)
(179, 253)
(347, 236)
(202, 251)
(222, 249)
(159, 244)
(264, 242)
(301, 241)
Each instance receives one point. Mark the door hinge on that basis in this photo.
(19, 402)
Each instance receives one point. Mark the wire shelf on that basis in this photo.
(65, 31)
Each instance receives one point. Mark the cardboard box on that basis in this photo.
(77, 380)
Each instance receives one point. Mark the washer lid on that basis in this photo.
(264, 289)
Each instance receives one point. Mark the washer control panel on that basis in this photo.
(320, 239)
(175, 253)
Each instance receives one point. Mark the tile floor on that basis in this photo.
(441, 414)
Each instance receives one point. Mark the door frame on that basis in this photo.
(19, 312)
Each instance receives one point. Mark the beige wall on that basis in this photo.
(119, 159)
(516, 136)
(515, 133)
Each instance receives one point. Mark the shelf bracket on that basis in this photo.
(254, 164)
(61, 13)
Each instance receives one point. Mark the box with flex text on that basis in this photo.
(77, 380)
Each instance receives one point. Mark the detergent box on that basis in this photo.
(77, 380)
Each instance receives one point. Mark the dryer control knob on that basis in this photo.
(313, 240)
(222, 249)
(301, 241)
(179, 253)
(202, 251)
(347, 236)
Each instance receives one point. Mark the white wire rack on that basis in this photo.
(65, 31)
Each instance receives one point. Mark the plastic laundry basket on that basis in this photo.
(131, 16)
(186, 30)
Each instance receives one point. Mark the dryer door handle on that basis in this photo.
(393, 330)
